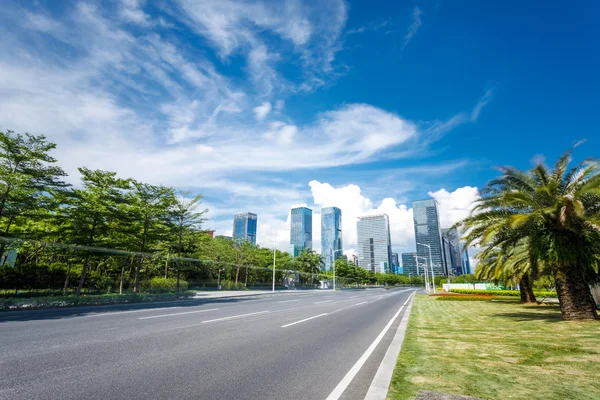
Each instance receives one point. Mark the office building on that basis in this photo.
(244, 227)
(354, 259)
(331, 235)
(409, 264)
(395, 263)
(427, 232)
(467, 263)
(455, 259)
(374, 244)
(301, 230)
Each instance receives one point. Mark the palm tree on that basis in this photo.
(556, 215)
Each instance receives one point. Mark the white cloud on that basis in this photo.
(414, 26)
(260, 112)
(131, 10)
(456, 205)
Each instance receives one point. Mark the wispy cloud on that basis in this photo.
(413, 27)
(370, 27)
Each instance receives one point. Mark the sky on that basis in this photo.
(265, 105)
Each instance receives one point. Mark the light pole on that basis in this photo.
(333, 264)
(274, 250)
(430, 264)
(426, 275)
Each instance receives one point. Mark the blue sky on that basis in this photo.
(264, 105)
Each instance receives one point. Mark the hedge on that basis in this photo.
(538, 293)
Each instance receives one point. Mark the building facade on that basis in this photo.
(244, 227)
(467, 263)
(331, 235)
(395, 263)
(427, 231)
(374, 243)
(300, 230)
(409, 264)
(455, 260)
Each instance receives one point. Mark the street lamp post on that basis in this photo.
(274, 250)
(333, 264)
(426, 274)
(430, 264)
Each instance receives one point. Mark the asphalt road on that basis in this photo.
(296, 345)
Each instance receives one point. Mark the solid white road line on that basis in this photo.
(358, 304)
(353, 297)
(101, 314)
(347, 379)
(235, 316)
(381, 382)
(181, 313)
(303, 320)
(324, 301)
(287, 301)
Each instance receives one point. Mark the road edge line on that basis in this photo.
(381, 381)
(337, 392)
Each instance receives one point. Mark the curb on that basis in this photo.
(381, 382)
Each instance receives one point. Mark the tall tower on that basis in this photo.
(374, 243)
(331, 235)
(245, 227)
(301, 230)
(427, 232)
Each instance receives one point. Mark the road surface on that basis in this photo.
(293, 345)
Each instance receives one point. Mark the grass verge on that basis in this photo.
(497, 350)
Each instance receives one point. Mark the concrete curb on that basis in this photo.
(381, 382)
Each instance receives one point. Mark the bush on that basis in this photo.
(231, 285)
(163, 285)
(538, 293)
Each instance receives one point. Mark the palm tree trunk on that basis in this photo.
(574, 295)
(526, 289)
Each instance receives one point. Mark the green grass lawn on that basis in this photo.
(497, 350)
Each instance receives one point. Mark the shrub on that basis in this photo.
(538, 293)
(231, 285)
(163, 285)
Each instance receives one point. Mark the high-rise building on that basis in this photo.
(395, 263)
(301, 230)
(331, 235)
(374, 243)
(455, 259)
(354, 259)
(244, 227)
(409, 264)
(427, 231)
(467, 263)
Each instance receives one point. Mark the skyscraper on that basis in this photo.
(301, 230)
(455, 262)
(331, 235)
(427, 231)
(374, 244)
(409, 264)
(395, 263)
(467, 263)
(244, 227)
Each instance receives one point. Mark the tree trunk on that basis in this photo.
(82, 279)
(574, 295)
(136, 282)
(526, 289)
(246, 282)
(66, 286)
(177, 280)
(237, 274)
(122, 275)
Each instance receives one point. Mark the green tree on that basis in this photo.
(310, 262)
(557, 213)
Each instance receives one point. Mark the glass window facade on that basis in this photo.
(427, 231)
(301, 230)
(245, 227)
(395, 263)
(331, 235)
(409, 264)
(454, 260)
(374, 243)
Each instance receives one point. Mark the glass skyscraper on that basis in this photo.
(427, 231)
(409, 264)
(395, 263)
(244, 227)
(467, 263)
(455, 259)
(331, 235)
(301, 230)
(374, 243)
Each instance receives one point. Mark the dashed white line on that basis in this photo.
(353, 297)
(181, 313)
(287, 301)
(235, 316)
(304, 320)
(324, 301)
(101, 314)
(363, 302)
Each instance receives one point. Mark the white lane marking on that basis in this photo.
(363, 302)
(324, 301)
(304, 320)
(327, 296)
(381, 382)
(343, 308)
(132, 311)
(353, 297)
(287, 301)
(235, 316)
(347, 379)
(181, 313)
(380, 297)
